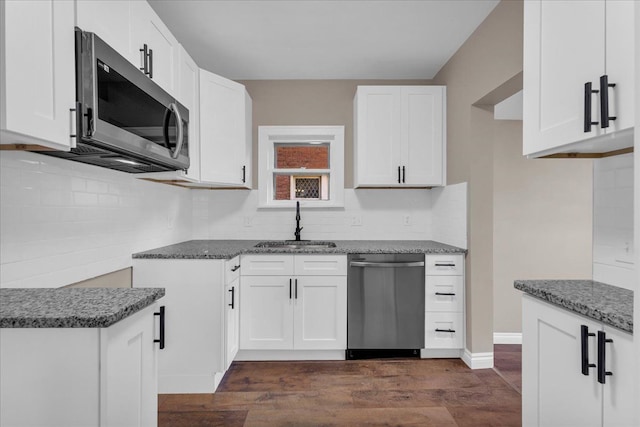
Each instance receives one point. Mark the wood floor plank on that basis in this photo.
(440, 397)
(487, 416)
(351, 417)
(202, 419)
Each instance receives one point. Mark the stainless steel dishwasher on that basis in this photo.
(385, 305)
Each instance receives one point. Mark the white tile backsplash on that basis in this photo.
(62, 222)
(613, 248)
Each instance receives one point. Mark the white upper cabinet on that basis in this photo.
(188, 94)
(564, 95)
(399, 138)
(128, 26)
(37, 83)
(161, 47)
(225, 131)
(111, 20)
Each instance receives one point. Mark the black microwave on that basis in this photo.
(124, 120)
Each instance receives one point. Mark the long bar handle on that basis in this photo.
(386, 264)
(161, 340)
(446, 264)
(233, 297)
(244, 174)
(78, 114)
(604, 101)
(403, 181)
(588, 91)
(445, 330)
(145, 59)
(399, 181)
(584, 349)
(290, 295)
(150, 73)
(602, 357)
(446, 294)
(296, 286)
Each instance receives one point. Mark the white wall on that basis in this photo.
(613, 248)
(449, 224)
(225, 215)
(62, 222)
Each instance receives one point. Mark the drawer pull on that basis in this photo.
(584, 349)
(161, 339)
(444, 264)
(446, 294)
(233, 297)
(602, 352)
(235, 267)
(445, 330)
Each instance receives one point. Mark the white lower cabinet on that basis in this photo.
(444, 305)
(193, 360)
(232, 310)
(80, 376)
(560, 384)
(289, 310)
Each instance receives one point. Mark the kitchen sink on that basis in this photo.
(293, 244)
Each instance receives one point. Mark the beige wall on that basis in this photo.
(309, 102)
(542, 211)
(487, 154)
(116, 279)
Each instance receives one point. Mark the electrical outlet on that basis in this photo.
(406, 220)
(247, 221)
(356, 221)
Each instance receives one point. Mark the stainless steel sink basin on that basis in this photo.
(292, 244)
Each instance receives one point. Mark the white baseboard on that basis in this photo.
(259, 355)
(507, 337)
(478, 360)
(441, 353)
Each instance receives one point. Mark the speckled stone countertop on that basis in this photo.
(72, 307)
(227, 249)
(609, 304)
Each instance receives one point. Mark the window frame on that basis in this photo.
(269, 136)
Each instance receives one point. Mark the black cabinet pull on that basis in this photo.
(602, 357)
(444, 264)
(403, 175)
(290, 295)
(604, 101)
(233, 297)
(150, 73)
(244, 174)
(296, 288)
(584, 349)
(399, 181)
(445, 330)
(145, 59)
(447, 294)
(587, 106)
(235, 267)
(161, 340)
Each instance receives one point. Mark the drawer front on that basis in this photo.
(232, 269)
(444, 330)
(266, 265)
(444, 293)
(320, 265)
(444, 265)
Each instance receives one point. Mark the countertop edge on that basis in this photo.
(80, 322)
(613, 319)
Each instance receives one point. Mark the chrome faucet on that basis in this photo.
(298, 228)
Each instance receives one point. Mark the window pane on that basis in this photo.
(302, 187)
(302, 156)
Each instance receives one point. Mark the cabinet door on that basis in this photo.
(320, 313)
(111, 21)
(222, 130)
(619, 62)
(266, 318)
(128, 372)
(619, 401)
(377, 136)
(554, 390)
(38, 78)
(147, 28)
(232, 321)
(422, 135)
(563, 49)
(189, 95)
(194, 314)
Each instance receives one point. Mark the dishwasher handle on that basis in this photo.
(386, 264)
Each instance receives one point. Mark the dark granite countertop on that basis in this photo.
(227, 249)
(609, 304)
(72, 307)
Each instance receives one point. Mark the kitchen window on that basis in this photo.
(301, 163)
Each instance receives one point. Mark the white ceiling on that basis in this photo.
(322, 39)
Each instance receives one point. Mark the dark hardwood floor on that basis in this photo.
(392, 392)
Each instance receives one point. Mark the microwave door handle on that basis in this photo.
(165, 129)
